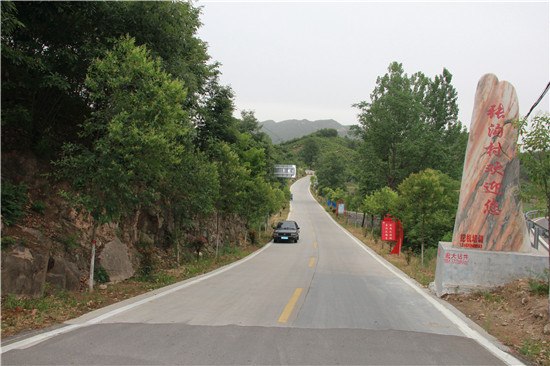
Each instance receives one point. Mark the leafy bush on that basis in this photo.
(14, 199)
(39, 207)
(101, 275)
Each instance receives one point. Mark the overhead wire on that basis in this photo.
(538, 100)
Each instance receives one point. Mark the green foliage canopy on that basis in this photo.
(535, 143)
(428, 201)
(381, 203)
(409, 125)
(330, 171)
(138, 129)
(47, 48)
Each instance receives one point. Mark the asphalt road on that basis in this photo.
(325, 300)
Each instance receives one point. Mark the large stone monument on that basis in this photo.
(490, 241)
(489, 212)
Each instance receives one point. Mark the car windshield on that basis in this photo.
(287, 225)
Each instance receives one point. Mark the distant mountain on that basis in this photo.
(293, 128)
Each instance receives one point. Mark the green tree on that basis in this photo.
(387, 123)
(409, 125)
(251, 155)
(215, 121)
(428, 202)
(232, 176)
(189, 192)
(327, 132)
(446, 138)
(310, 152)
(137, 130)
(381, 202)
(47, 48)
(535, 155)
(249, 123)
(137, 127)
(331, 171)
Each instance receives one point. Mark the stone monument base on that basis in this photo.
(462, 270)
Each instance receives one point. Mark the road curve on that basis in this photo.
(325, 300)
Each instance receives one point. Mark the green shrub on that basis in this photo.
(101, 275)
(70, 241)
(540, 285)
(7, 241)
(14, 199)
(430, 253)
(39, 207)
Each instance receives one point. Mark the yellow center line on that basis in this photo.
(290, 306)
(311, 262)
(315, 244)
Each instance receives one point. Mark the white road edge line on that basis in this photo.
(43, 336)
(462, 326)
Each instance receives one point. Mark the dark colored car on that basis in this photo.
(286, 231)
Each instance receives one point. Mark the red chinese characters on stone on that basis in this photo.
(494, 150)
(496, 112)
(471, 241)
(456, 258)
(495, 168)
(492, 207)
(492, 187)
(495, 130)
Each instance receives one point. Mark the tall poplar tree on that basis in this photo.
(410, 124)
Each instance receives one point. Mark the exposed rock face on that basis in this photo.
(489, 212)
(116, 261)
(24, 272)
(62, 274)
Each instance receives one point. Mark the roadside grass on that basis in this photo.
(532, 349)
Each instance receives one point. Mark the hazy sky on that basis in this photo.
(313, 60)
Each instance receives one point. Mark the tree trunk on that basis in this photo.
(217, 233)
(422, 246)
(177, 246)
(92, 262)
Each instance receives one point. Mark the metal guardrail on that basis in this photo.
(540, 233)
